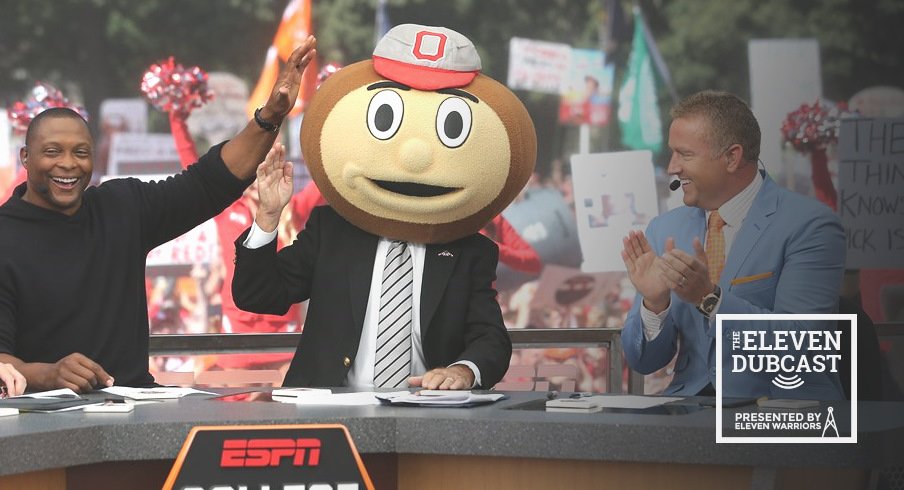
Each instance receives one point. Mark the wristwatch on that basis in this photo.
(709, 302)
(266, 126)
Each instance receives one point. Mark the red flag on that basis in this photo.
(293, 29)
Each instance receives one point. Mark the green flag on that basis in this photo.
(638, 106)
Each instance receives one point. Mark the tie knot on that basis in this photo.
(715, 221)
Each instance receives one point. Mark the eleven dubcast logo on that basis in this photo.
(785, 353)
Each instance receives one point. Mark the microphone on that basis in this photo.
(674, 184)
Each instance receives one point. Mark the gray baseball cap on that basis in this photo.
(426, 57)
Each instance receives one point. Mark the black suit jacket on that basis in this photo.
(331, 263)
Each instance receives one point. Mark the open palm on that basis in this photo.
(274, 186)
(643, 270)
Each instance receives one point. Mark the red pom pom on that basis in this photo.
(170, 87)
(43, 96)
(815, 126)
(327, 71)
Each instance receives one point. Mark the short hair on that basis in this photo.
(730, 120)
(52, 113)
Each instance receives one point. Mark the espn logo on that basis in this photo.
(259, 453)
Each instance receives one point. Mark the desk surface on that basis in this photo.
(31, 442)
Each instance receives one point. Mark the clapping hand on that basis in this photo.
(645, 271)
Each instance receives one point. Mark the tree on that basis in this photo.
(93, 50)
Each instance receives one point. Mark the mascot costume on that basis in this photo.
(415, 151)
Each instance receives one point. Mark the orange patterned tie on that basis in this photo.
(715, 246)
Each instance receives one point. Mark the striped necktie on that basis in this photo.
(715, 246)
(393, 360)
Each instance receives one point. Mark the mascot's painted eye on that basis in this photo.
(453, 122)
(384, 114)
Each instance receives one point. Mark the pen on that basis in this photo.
(583, 394)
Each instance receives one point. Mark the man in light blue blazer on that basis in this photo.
(778, 251)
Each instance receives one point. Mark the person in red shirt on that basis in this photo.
(514, 251)
(230, 223)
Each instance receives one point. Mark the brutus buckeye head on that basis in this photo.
(416, 144)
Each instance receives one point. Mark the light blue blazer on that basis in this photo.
(788, 257)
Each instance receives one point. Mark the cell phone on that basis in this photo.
(111, 406)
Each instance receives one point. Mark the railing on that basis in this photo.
(610, 338)
(204, 344)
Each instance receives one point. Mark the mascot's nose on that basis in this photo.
(416, 155)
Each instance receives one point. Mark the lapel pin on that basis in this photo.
(445, 253)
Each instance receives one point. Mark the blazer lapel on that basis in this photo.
(755, 223)
(362, 251)
(439, 262)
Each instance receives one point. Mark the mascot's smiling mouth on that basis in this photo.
(414, 189)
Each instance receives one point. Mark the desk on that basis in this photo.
(482, 447)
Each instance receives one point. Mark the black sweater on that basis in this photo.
(76, 283)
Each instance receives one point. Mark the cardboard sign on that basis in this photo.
(269, 456)
(871, 191)
(614, 193)
(143, 153)
(587, 94)
(538, 66)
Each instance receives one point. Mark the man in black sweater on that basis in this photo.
(73, 310)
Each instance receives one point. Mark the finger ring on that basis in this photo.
(682, 281)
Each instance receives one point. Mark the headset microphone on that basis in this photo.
(674, 185)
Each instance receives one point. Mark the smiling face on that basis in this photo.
(59, 159)
(703, 170)
(415, 165)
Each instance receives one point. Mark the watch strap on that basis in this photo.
(265, 125)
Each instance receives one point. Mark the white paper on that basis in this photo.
(161, 393)
(59, 393)
(5, 412)
(305, 392)
(450, 398)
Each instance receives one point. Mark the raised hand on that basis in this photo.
(644, 271)
(243, 153)
(274, 186)
(285, 91)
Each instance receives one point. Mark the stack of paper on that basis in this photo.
(323, 396)
(159, 393)
(439, 398)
